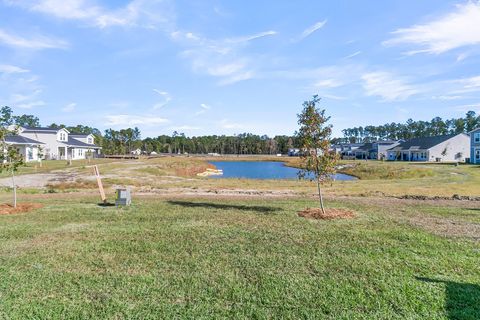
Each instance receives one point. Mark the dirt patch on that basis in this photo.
(6, 208)
(316, 213)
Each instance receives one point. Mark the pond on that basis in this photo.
(262, 170)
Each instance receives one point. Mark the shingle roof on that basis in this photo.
(422, 143)
(77, 143)
(37, 129)
(16, 139)
(78, 135)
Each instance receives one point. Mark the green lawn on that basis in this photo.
(204, 258)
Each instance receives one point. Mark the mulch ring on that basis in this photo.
(6, 208)
(316, 213)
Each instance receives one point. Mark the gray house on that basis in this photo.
(475, 146)
(375, 150)
(454, 148)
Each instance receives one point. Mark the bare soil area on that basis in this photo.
(331, 213)
(21, 208)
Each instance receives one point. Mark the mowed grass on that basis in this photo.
(250, 259)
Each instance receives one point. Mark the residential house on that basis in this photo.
(454, 148)
(28, 148)
(60, 144)
(475, 146)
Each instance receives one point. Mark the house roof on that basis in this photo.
(422, 143)
(16, 139)
(77, 143)
(41, 129)
(79, 135)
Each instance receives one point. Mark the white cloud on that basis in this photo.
(447, 97)
(471, 84)
(5, 68)
(204, 108)
(454, 30)
(30, 105)
(353, 55)
(133, 120)
(223, 58)
(328, 83)
(312, 29)
(36, 43)
(143, 13)
(252, 37)
(166, 96)
(386, 86)
(69, 107)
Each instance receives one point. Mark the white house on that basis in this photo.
(28, 148)
(453, 148)
(60, 144)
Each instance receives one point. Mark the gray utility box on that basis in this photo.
(123, 197)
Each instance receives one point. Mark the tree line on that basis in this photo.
(124, 141)
(411, 129)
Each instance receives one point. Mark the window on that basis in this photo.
(63, 136)
(477, 154)
(90, 140)
(476, 137)
(30, 153)
(80, 152)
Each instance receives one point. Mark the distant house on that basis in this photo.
(376, 150)
(136, 152)
(28, 148)
(60, 144)
(293, 152)
(475, 146)
(453, 147)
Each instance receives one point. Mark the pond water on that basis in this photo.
(262, 170)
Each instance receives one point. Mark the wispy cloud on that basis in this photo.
(69, 107)
(35, 43)
(133, 120)
(353, 55)
(252, 37)
(166, 99)
(387, 86)
(31, 104)
(204, 108)
(471, 84)
(142, 13)
(454, 30)
(307, 32)
(5, 68)
(224, 58)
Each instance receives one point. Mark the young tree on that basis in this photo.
(314, 139)
(10, 159)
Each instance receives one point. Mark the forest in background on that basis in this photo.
(123, 141)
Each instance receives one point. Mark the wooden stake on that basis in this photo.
(100, 185)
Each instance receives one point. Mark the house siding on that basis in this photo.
(456, 149)
(474, 146)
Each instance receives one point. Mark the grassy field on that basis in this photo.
(234, 248)
(206, 258)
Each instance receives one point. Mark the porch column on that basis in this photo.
(66, 153)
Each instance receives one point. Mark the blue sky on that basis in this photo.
(225, 67)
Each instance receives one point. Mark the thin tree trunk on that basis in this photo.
(14, 190)
(320, 196)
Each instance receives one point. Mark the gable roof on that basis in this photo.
(42, 129)
(423, 143)
(16, 139)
